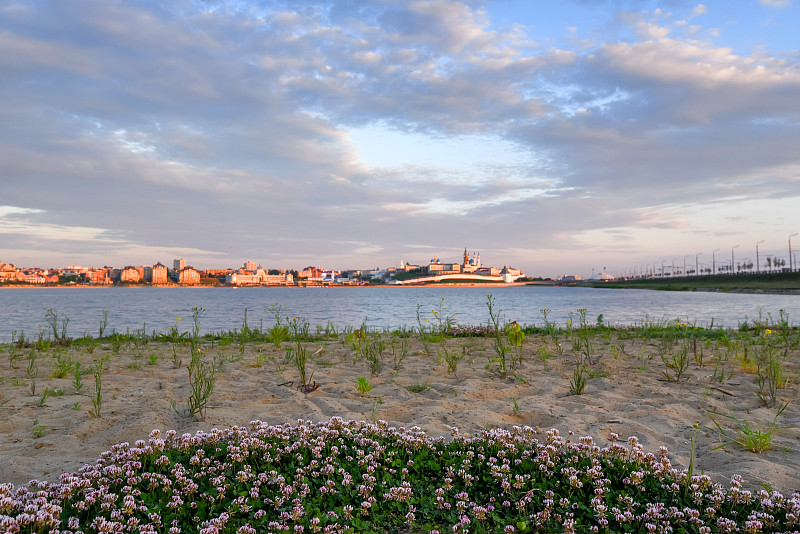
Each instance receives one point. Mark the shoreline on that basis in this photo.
(320, 286)
(744, 291)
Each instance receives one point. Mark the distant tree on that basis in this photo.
(273, 271)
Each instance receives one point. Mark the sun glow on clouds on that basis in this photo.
(14, 210)
(53, 231)
(694, 229)
(442, 206)
(15, 221)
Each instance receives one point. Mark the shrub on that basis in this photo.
(352, 476)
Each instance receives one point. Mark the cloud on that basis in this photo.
(776, 3)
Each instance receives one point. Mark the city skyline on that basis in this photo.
(557, 137)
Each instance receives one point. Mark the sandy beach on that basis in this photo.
(626, 393)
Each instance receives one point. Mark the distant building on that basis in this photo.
(510, 274)
(178, 265)
(98, 276)
(469, 269)
(257, 276)
(129, 274)
(436, 267)
(473, 264)
(8, 272)
(158, 274)
(188, 276)
(311, 273)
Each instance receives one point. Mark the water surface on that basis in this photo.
(23, 309)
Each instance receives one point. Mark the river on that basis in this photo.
(24, 309)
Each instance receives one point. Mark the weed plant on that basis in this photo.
(278, 333)
(202, 379)
(499, 363)
(543, 354)
(422, 329)
(298, 355)
(97, 400)
(444, 320)
(752, 438)
(515, 336)
(38, 431)
(103, 325)
(419, 388)
(363, 386)
(676, 362)
(78, 383)
(42, 402)
(64, 365)
(399, 349)
(116, 342)
(13, 348)
(372, 347)
(769, 361)
(197, 312)
(552, 330)
(451, 357)
(578, 382)
(583, 340)
(58, 326)
(261, 358)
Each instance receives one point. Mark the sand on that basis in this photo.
(627, 394)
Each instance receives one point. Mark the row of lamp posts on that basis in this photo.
(792, 266)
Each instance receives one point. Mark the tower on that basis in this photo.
(466, 257)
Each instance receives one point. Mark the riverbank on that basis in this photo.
(767, 283)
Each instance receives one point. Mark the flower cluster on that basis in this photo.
(462, 330)
(347, 476)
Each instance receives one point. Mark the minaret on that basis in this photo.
(466, 257)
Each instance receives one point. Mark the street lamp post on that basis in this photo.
(672, 272)
(696, 264)
(714, 261)
(758, 267)
(662, 268)
(684, 264)
(791, 269)
(732, 257)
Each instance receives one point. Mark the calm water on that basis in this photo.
(23, 309)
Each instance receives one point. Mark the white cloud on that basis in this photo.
(776, 3)
(5, 211)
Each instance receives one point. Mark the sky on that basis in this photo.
(558, 137)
